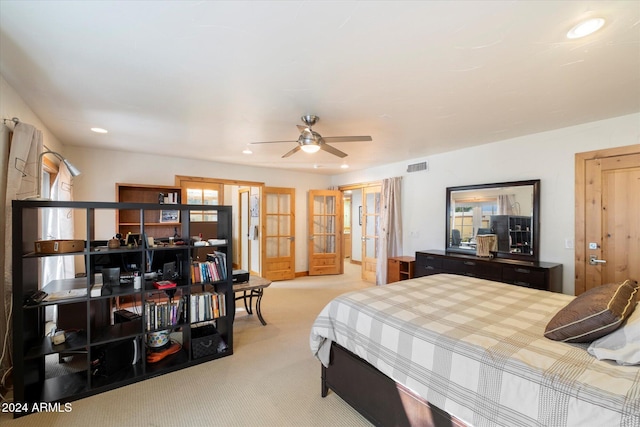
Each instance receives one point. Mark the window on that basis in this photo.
(203, 193)
(49, 173)
(470, 216)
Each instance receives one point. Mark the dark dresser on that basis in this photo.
(531, 274)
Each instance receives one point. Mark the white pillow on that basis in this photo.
(621, 345)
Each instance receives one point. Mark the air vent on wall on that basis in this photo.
(416, 167)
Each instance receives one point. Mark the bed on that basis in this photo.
(455, 350)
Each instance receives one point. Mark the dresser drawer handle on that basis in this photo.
(469, 263)
(525, 284)
(523, 270)
(430, 257)
(428, 267)
(469, 274)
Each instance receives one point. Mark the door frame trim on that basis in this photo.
(580, 206)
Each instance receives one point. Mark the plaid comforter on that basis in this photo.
(475, 348)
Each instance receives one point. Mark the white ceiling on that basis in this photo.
(203, 79)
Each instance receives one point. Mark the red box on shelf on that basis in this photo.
(164, 284)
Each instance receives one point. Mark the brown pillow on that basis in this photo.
(594, 314)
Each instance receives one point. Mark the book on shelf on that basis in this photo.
(212, 270)
(207, 306)
(171, 198)
(220, 259)
(164, 284)
(162, 314)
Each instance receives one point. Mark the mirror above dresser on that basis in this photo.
(507, 210)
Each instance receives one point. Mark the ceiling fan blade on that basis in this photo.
(270, 142)
(334, 151)
(293, 151)
(346, 138)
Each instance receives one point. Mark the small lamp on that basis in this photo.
(74, 171)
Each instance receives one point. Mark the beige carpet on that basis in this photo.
(272, 379)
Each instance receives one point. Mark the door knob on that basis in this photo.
(594, 261)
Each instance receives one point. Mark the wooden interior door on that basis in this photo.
(278, 229)
(325, 232)
(370, 227)
(607, 219)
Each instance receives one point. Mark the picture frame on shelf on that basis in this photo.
(169, 216)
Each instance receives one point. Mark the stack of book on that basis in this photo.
(212, 270)
(164, 313)
(207, 306)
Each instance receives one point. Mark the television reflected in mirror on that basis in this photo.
(509, 210)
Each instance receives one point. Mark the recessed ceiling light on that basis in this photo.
(344, 166)
(585, 28)
(247, 151)
(99, 130)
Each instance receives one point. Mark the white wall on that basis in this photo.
(102, 169)
(548, 156)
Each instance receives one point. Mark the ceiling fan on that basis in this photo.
(311, 141)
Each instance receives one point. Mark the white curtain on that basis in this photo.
(22, 175)
(506, 203)
(390, 233)
(5, 134)
(58, 224)
(21, 170)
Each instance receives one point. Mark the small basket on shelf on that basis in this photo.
(205, 341)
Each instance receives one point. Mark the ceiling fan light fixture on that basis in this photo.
(585, 28)
(311, 141)
(310, 148)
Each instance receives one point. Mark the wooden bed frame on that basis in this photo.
(377, 397)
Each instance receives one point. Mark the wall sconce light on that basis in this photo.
(74, 171)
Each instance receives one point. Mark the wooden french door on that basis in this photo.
(278, 229)
(325, 232)
(370, 227)
(607, 219)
